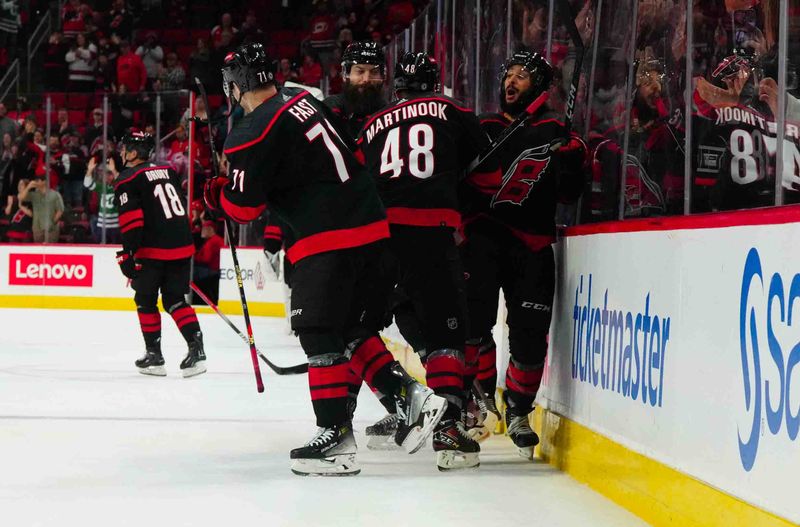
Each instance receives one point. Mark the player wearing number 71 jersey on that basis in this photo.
(418, 149)
(287, 155)
(156, 251)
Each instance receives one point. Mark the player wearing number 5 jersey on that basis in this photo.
(287, 155)
(156, 251)
(417, 149)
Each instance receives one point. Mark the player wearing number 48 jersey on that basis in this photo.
(287, 155)
(156, 251)
(418, 149)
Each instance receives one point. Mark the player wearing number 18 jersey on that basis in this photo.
(156, 251)
(287, 155)
(418, 149)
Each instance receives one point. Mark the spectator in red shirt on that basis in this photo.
(73, 17)
(310, 71)
(323, 24)
(55, 64)
(131, 72)
(225, 26)
(206, 259)
(400, 15)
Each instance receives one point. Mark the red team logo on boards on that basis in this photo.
(525, 171)
(66, 270)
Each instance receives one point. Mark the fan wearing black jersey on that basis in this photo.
(156, 251)
(418, 149)
(509, 226)
(286, 155)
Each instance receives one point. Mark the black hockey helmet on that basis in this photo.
(140, 142)
(537, 66)
(248, 67)
(363, 52)
(416, 72)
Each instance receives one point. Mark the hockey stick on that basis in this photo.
(236, 268)
(568, 18)
(515, 125)
(572, 29)
(280, 370)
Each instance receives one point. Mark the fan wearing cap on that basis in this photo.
(363, 71)
(509, 227)
(156, 251)
(285, 154)
(418, 149)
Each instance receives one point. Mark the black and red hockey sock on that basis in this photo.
(371, 361)
(327, 381)
(150, 322)
(186, 320)
(353, 388)
(444, 372)
(471, 354)
(487, 367)
(522, 383)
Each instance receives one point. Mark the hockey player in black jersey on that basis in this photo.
(363, 69)
(286, 155)
(417, 149)
(509, 226)
(156, 251)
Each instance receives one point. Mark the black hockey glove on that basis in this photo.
(128, 264)
(572, 156)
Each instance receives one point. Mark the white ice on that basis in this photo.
(87, 441)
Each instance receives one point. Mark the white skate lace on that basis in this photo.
(323, 436)
(519, 425)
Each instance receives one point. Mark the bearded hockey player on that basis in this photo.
(363, 70)
(286, 155)
(417, 149)
(156, 251)
(509, 227)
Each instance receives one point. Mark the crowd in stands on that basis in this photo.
(133, 54)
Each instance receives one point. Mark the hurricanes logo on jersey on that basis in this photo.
(525, 171)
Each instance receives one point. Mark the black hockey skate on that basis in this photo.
(381, 435)
(454, 448)
(419, 410)
(153, 362)
(518, 428)
(489, 414)
(331, 452)
(195, 361)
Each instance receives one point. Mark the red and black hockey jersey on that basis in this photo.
(524, 197)
(351, 122)
(286, 155)
(418, 150)
(152, 213)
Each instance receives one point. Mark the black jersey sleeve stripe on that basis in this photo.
(272, 121)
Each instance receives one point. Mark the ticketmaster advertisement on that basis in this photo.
(684, 346)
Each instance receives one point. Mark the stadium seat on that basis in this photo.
(77, 117)
(57, 99)
(80, 101)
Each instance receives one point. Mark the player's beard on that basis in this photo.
(363, 99)
(518, 106)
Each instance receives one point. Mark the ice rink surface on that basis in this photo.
(87, 441)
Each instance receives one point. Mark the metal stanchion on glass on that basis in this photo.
(104, 168)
